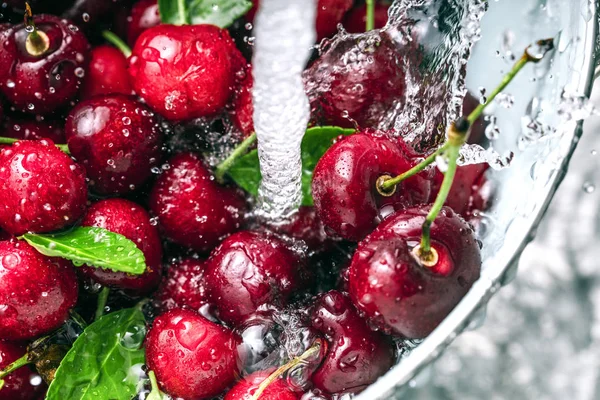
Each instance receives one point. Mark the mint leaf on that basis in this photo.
(221, 13)
(245, 171)
(103, 362)
(92, 246)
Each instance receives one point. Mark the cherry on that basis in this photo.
(43, 190)
(252, 271)
(478, 127)
(34, 130)
(242, 109)
(132, 221)
(397, 292)
(329, 14)
(185, 72)
(117, 139)
(345, 180)
(192, 209)
(191, 356)
(306, 225)
(36, 292)
(277, 390)
(17, 385)
(184, 286)
(107, 73)
(144, 15)
(464, 196)
(356, 19)
(356, 355)
(40, 78)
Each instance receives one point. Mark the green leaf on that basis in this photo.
(104, 362)
(221, 13)
(92, 246)
(245, 171)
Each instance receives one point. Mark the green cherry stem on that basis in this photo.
(117, 42)
(239, 151)
(155, 394)
(370, 25)
(6, 140)
(18, 363)
(102, 299)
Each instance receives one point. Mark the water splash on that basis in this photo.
(284, 34)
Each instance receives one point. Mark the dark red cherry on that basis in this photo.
(464, 196)
(192, 209)
(184, 286)
(306, 225)
(88, 13)
(106, 74)
(117, 139)
(191, 356)
(329, 14)
(185, 72)
(36, 292)
(18, 385)
(356, 355)
(277, 390)
(252, 271)
(400, 294)
(144, 15)
(356, 19)
(43, 190)
(132, 221)
(41, 83)
(478, 128)
(34, 130)
(242, 108)
(345, 178)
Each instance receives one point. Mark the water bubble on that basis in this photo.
(588, 187)
(85, 17)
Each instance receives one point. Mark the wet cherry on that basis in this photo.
(277, 390)
(465, 195)
(184, 286)
(107, 73)
(356, 20)
(356, 355)
(144, 15)
(191, 356)
(43, 190)
(34, 130)
(329, 14)
(132, 221)
(306, 225)
(17, 385)
(397, 292)
(36, 292)
(252, 271)
(117, 139)
(242, 108)
(345, 179)
(192, 209)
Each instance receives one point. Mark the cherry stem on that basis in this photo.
(155, 394)
(6, 140)
(117, 42)
(18, 363)
(37, 42)
(311, 352)
(239, 151)
(370, 23)
(102, 299)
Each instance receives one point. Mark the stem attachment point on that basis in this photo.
(381, 189)
(427, 259)
(37, 42)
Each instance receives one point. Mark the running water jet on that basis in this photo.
(285, 32)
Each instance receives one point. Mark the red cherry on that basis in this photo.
(34, 130)
(478, 128)
(107, 73)
(36, 292)
(144, 15)
(242, 107)
(132, 221)
(17, 385)
(356, 355)
(184, 286)
(43, 190)
(42, 83)
(251, 271)
(398, 293)
(306, 225)
(118, 141)
(185, 72)
(191, 356)
(345, 178)
(356, 19)
(464, 196)
(192, 209)
(329, 14)
(277, 390)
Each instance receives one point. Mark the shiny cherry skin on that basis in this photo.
(191, 356)
(277, 390)
(106, 74)
(40, 84)
(344, 183)
(132, 221)
(356, 20)
(477, 134)
(242, 108)
(192, 209)
(399, 294)
(144, 15)
(251, 271)
(465, 195)
(185, 72)
(117, 139)
(34, 130)
(36, 292)
(356, 355)
(184, 286)
(17, 385)
(306, 225)
(43, 190)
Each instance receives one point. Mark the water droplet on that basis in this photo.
(588, 187)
